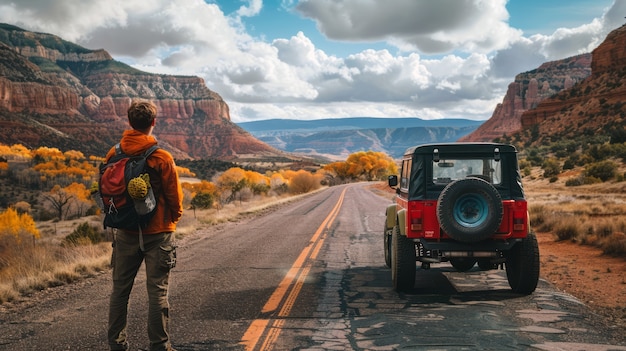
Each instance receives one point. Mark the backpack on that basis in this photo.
(125, 193)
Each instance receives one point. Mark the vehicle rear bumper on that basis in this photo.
(482, 246)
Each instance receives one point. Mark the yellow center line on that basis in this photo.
(298, 270)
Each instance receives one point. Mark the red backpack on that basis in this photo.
(126, 194)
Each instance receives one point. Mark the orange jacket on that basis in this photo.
(170, 196)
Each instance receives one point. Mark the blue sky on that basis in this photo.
(277, 19)
(311, 59)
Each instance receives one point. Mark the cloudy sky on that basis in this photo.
(311, 59)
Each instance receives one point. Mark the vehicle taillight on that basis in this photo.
(519, 221)
(415, 222)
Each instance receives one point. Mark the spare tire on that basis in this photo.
(469, 210)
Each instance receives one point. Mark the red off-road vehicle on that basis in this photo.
(461, 203)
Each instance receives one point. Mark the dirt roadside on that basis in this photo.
(585, 272)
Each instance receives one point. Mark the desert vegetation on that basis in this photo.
(584, 219)
(591, 158)
(571, 180)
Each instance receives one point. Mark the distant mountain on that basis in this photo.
(340, 137)
(352, 123)
(57, 94)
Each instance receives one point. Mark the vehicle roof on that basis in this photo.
(460, 148)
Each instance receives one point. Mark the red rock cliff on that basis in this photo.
(81, 96)
(527, 91)
(592, 107)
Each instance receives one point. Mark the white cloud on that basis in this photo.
(424, 25)
(252, 9)
(478, 53)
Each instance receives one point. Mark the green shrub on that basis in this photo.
(83, 234)
(571, 162)
(574, 182)
(202, 200)
(591, 180)
(615, 244)
(603, 170)
(567, 231)
(551, 167)
(523, 164)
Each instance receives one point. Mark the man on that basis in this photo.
(153, 244)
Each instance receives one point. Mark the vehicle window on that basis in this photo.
(446, 171)
(406, 173)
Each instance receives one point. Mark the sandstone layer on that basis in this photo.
(527, 91)
(56, 93)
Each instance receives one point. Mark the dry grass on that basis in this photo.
(590, 215)
(28, 267)
(603, 230)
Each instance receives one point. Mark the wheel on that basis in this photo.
(469, 210)
(387, 242)
(402, 261)
(462, 264)
(522, 265)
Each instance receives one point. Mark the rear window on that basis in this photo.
(446, 171)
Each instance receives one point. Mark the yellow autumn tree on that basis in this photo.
(278, 183)
(48, 154)
(15, 152)
(303, 181)
(95, 160)
(81, 200)
(339, 169)
(202, 194)
(257, 182)
(71, 201)
(74, 155)
(231, 182)
(184, 172)
(277, 180)
(58, 200)
(17, 225)
(56, 167)
(364, 165)
(288, 174)
(202, 186)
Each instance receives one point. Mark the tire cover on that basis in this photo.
(469, 210)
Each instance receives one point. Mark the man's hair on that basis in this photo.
(141, 114)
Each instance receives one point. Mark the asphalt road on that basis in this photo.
(310, 275)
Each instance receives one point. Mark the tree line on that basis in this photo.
(63, 182)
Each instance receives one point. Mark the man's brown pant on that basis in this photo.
(159, 256)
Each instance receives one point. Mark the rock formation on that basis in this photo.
(527, 91)
(593, 107)
(56, 93)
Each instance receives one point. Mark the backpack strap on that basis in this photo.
(118, 155)
(150, 150)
